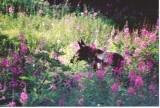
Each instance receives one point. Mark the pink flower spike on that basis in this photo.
(3, 98)
(141, 67)
(23, 97)
(127, 53)
(21, 36)
(137, 51)
(80, 101)
(153, 38)
(11, 104)
(115, 87)
(95, 14)
(119, 102)
(144, 45)
(5, 63)
(40, 11)
(100, 74)
(137, 40)
(139, 81)
(77, 77)
(131, 91)
(61, 101)
(24, 48)
(132, 76)
(85, 11)
(11, 9)
(68, 82)
(90, 75)
(117, 38)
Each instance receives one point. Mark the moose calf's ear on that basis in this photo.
(80, 45)
(82, 42)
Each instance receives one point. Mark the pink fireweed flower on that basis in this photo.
(137, 40)
(85, 11)
(11, 9)
(144, 32)
(22, 84)
(118, 70)
(42, 43)
(127, 53)
(119, 102)
(11, 104)
(61, 60)
(95, 14)
(149, 65)
(136, 53)
(117, 38)
(80, 101)
(126, 32)
(54, 87)
(21, 36)
(36, 51)
(19, 71)
(55, 55)
(100, 74)
(152, 37)
(139, 81)
(110, 40)
(29, 59)
(90, 75)
(14, 70)
(5, 63)
(68, 82)
(157, 25)
(131, 91)
(128, 60)
(151, 87)
(16, 58)
(132, 76)
(13, 83)
(75, 46)
(1, 86)
(3, 98)
(92, 47)
(24, 48)
(141, 66)
(23, 97)
(77, 77)
(40, 11)
(61, 101)
(80, 85)
(143, 45)
(115, 87)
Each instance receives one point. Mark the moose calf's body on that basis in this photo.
(96, 56)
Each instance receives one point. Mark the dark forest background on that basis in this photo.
(135, 12)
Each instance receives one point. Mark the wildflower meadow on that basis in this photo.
(54, 55)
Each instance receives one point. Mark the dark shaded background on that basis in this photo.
(120, 11)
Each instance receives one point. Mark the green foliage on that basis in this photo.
(50, 38)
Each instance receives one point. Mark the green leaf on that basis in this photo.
(27, 78)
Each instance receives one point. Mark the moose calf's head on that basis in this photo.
(86, 53)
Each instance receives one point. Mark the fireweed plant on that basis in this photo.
(35, 67)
